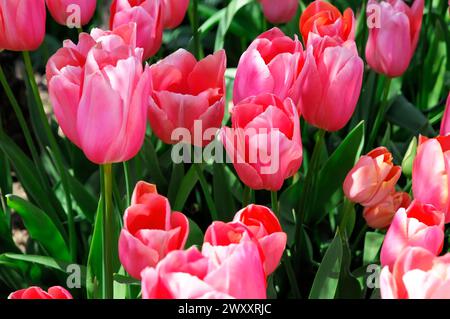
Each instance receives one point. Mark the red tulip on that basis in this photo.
(324, 19)
(149, 18)
(150, 230)
(55, 292)
(22, 24)
(62, 10)
(279, 11)
(174, 12)
(186, 93)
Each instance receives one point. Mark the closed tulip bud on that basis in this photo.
(417, 274)
(264, 142)
(393, 36)
(445, 124)
(187, 92)
(279, 11)
(151, 230)
(330, 82)
(149, 18)
(381, 215)
(22, 24)
(419, 225)
(372, 179)
(271, 64)
(431, 168)
(324, 19)
(65, 11)
(174, 12)
(99, 89)
(55, 292)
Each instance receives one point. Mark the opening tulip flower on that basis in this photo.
(186, 93)
(271, 64)
(372, 178)
(22, 24)
(149, 18)
(417, 274)
(55, 292)
(62, 10)
(174, 12)
(430, 174)
(381, 215)
(264, 142)
(393, 35)
(279, 11)
(151, 230)
(324, 19)
(99, 89)
(419, 225)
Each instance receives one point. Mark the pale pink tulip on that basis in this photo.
(419, 226)
(22, 24)
(174, 12)
(149, 18)
(277, 11)
(417, 274)
(264, 142)
(430, 174)
(330, 82)
(186, 93)
(393, 36)
(99, 89)
(64, 11)
(271, 64)
(150, 230)
(372, 178)
(445, 124)
(55, 292)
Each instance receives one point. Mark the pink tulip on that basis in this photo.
(445, 124)
(174, 12)
(372, 179)
(98, 89)
(380, 216)
(330, 82)
(277, 12)
(63, 10)
(393, 40)
(188, 94)
(55, 292)
(264, 142)
(150, 230)
(149, 18)
(266, 228)
(219, 274)
(419, 225)
(271, 64)
(417, 274)
(430, 174)
(22, 24)
(324, 19)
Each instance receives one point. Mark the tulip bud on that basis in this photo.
(174, 12)
(279, 11)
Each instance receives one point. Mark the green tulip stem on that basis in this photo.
(107, 231)
(380, 114)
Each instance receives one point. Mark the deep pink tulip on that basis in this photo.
(271, 64)
(186, 93)
(218, 274)
(98, 89)
(417, 274)
(174, 12)
(279, 11)
(330, 82)
(419, 225)
(266, 228)
(264, 142)
(22, 24)
(324, 19)
(55, 292)
(391, 43)
(372, 178)
(430, 174)
(151, 230)
(445, 124)
(149, 18)
(61, 10)
(380, 215)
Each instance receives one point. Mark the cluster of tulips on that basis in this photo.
(104, 94)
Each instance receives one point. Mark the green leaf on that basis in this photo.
(348, 286)
(288, 203)
(175, 181)
(408, 159)
(6, 241)
(41, 260)
(195, 235)
(372, 245)
(155, 172)
(126, 280)
(186, 186)
(94, 275)
(332, 175)
(223, 197)
(85, 200)
(40, 227)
